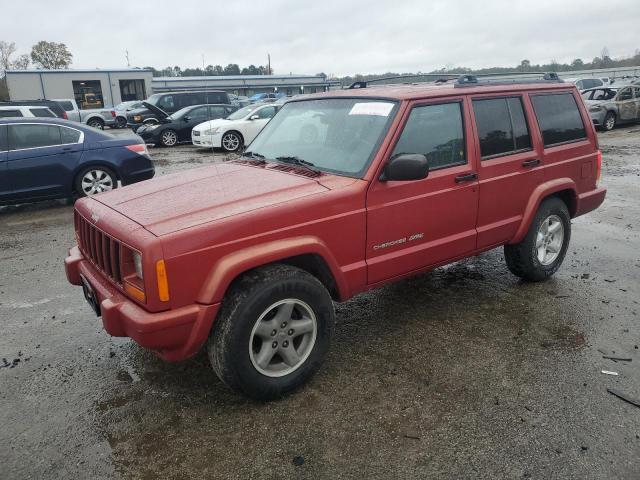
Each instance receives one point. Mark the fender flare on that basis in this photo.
(229, 267)
(540, 193)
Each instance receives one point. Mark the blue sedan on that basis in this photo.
(45, 158)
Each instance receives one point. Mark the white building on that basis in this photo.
(90, 88)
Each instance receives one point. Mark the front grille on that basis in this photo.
(196, 133)
(101, 249)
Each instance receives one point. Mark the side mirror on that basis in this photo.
(405, 167)
(186, 118)
(254, 117)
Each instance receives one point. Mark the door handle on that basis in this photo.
(467, 177)
(531, 163)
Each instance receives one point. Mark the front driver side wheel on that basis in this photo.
(95, 179)
(231, 141)
(168, 138)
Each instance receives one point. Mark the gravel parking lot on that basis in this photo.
(464, 372)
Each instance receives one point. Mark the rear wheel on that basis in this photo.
(541, 252)
(121, 122)
(96, 123)
(272, 333)
(168, 138)
(609, 121)
(94, 180)
(231, 141)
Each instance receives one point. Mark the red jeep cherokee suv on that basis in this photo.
(341, 192)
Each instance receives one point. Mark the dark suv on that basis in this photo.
(340, 193)
(171, 102)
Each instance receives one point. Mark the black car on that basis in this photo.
(176, 128)
(43, 158)
(171, 102)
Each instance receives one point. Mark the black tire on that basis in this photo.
(168, 138)
(96, 123)
(77, 183)
(522, 258)
(609, 122)
(121, 122)
(248, 298)
(238, 144)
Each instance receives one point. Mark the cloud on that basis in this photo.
(330, 36)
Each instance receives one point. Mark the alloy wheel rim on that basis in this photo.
(610, 122)
(549, 240)
(283, 337)
(96, 181)
(169, 138)
(230, 141)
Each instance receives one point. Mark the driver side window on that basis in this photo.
(437, 132)
(267, 112)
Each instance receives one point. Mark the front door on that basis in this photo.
(4, 175)
(42, 159)
(416, 224)
(194, 117)
(627, 108)
(510, 169)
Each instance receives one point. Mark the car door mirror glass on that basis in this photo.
(254, 117)
(406, 167)
(186, 118)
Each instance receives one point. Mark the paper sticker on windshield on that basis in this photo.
(381, 109)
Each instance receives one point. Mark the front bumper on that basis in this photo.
(173, 334)
(597, 117)
(209, 141)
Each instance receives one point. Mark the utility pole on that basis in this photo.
(127, 55)
(203, 64)
(268, 64)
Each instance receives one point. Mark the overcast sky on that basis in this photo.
(331, 36)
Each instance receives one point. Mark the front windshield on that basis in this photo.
(338, 135)
(180, 113)
(243, 112)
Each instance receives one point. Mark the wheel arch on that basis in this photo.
(563, 188)
(233, 130)
(308, 253)
(92, 163)
(94, 117)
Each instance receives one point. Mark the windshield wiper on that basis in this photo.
(254, 155)
(299, 162)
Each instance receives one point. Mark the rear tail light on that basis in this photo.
(140, 148)
(598, 165)
(65, 116)
(113, 113)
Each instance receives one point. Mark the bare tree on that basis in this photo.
(21, 63)
(51, 55)
(6, 50)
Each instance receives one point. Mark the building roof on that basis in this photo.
(235, 77)
(71, 70)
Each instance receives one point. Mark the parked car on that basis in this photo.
(584, 83)
(176, 128)
(246, 257)
(239, 101)
(122, 109)
(30, 111)
(235, 131)
(265, 97)
(171, 102)
(610, 106)
(94, 117)
(43, 158)
(50, 104)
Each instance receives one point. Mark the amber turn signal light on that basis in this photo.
(163, 283)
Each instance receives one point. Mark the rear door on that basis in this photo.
(5, 187)
(627, 109)
(42, 159)
(510, 168)
(416, 224)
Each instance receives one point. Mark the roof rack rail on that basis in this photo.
(440, 78)
(472, 80)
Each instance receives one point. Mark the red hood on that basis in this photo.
(181, 200)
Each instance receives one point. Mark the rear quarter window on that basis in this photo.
(559, 118)
(10, 113)
(42, 112)
(68, 106)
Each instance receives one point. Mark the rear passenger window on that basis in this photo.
(42, 112)
(10, 113)
(68, 135)
(559, 118)
(502, 128)
(3, 138)
(437, 132)
(32, 136)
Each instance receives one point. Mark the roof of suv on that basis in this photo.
(410, 91)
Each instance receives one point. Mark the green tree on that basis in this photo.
(51, 55)
(231, 69)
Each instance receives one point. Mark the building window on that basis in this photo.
(132, 90)
(88, 93)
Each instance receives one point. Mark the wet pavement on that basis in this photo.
(464, 372)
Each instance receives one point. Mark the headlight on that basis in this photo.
(137, 118)
(595, 108)
(137, 263)
(212, 131)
